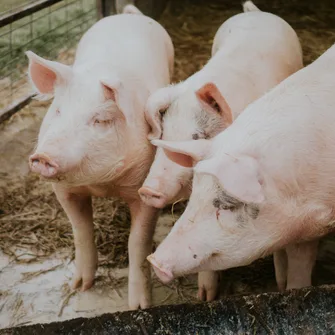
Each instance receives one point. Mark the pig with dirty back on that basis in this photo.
(93, 139)
(252, 52)
(264, 183)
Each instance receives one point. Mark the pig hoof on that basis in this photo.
(139, 302)
(139, 293)
(281, 286)
(83, 284)
(207, 294)
(208, 283)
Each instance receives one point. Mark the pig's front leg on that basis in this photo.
(79, 211)
(143, 223)
(301, 260)
(208, 285)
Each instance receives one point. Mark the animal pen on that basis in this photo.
(36, 245)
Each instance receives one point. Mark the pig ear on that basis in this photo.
(185, 153)
(212, 101)
(108, 91)
(238, 176)
(156, 106)
(114, 90)
(45, 74)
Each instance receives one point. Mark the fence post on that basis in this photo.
(105, 8)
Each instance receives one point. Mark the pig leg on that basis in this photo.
(208, 285)
(301, 260)
(79, 211)
(280, 263)
(143, 223)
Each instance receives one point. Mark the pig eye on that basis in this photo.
(102, 119)
(106, 122)
(57, 112)
(198, 136)
(163, 111)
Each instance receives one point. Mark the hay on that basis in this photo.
(32, 274)
(31, 218)
(192, 24)
(68, 293)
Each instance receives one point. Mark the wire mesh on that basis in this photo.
(52, 32)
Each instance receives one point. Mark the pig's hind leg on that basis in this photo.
(280, 263)
(79, 211)
(143, 223)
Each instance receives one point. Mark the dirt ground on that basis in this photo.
(36, 250)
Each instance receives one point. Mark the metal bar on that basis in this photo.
(39, 18)
(24, 11)
(8, 17)
(48, 32)
(10, 110)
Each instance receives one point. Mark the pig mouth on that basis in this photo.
(166, 275)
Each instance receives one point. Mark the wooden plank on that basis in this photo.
(298, 312)
(105, 8)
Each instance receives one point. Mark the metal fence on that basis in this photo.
(51, 28)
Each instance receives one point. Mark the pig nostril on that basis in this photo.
(152, 197)
(43, 165)
(195, 256)
(35, 161)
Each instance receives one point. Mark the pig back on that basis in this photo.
(128, 42)
(261, 35)
(291, 130)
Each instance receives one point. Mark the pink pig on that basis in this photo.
(252, 53)
(93, 139)
(264, 183)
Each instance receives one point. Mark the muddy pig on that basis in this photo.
(93, 139)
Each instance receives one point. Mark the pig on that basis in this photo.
(252, 52)
(264, 183)
(93, 139)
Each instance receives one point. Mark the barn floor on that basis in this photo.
(36, 251)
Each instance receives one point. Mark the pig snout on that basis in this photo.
(44, 165)
(159, 192)
(152, 197)
(164, 275)
(174, 257)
